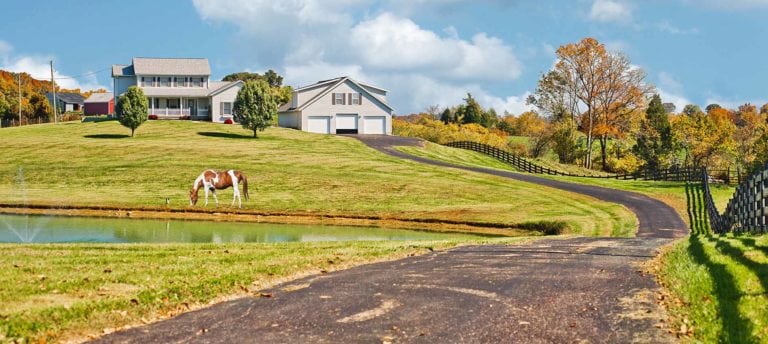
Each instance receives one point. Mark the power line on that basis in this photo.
(68, 77)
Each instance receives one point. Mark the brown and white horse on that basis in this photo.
(211, 180)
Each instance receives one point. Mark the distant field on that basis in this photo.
(289, 172)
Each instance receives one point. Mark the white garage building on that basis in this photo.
(338, 106)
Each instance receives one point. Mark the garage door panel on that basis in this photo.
(374, 125)
(346, 124)
(319, 124)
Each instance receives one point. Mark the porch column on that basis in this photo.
(181, 106)
(153, 104)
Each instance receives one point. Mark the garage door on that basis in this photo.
(319, 124)
(346, 124)
(374, 125)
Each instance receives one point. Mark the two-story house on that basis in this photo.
(338, 106)
(178, 88)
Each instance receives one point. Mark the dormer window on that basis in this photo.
(338, 99)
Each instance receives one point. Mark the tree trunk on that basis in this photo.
(132, 130)
(254, 134)
(590, 140)
(603, 148)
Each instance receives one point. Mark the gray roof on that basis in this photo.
(171, 66)
(330, 85)
(122, 70)
(213, 87)
(69, 98)
(99, 98)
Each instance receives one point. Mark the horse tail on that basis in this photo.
(245, 186)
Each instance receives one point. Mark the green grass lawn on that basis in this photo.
(59, 292)
(289, 171)
(72, 291)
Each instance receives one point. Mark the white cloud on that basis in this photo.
(667, 27)
(39, 68)
(311, 40)
(610, 11)
(398, 44)
(5, 49)
(671, 91)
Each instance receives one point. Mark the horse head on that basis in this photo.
(193, 197)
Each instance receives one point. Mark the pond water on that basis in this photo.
(64, 229)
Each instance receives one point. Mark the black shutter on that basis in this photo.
(333, 98)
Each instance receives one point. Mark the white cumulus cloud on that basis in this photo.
(610, 11)
(39, 68)
(311, 40)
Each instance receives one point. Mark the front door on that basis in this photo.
(192, 105)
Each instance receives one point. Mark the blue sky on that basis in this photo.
(426, 52)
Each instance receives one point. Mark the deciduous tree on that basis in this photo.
(132, 108)
(255, 106)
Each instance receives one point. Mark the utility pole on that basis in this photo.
(19, 74)
(53, 85)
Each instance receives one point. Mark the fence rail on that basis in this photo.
(747, 210)
(673, 174)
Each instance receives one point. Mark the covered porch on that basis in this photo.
(179, 108)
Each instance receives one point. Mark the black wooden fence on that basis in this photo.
(673, 174)
(747, 210)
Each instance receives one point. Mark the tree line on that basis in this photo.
(595, 109)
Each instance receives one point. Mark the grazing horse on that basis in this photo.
(211, 180)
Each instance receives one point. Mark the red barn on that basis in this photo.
(99, 104)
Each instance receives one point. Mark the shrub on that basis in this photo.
(184, 118)
(441, 133)
(152, 117)
(228, 121)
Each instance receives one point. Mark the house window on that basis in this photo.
(338, 99)
(354, 99)
(226, 109)
(147, 81)
(165, 82)
(196, 82)
(173, 103)
(181, 81)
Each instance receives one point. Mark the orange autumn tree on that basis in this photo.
(605, 87)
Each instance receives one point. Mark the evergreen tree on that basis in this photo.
(654, 141)
(255, 106)
(473, 112)
(132, 108)
(447, 116)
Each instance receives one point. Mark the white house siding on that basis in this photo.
(305, 95)
(288, 120)
(228, 95)
(122, 84)
(369, 107)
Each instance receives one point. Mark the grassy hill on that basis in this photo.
(291, 172)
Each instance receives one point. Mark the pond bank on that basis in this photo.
(239, 215)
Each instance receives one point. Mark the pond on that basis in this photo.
(64, 229)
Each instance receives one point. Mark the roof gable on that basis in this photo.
(335, 84)
(171, 66)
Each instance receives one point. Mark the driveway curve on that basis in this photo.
(551, 291)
